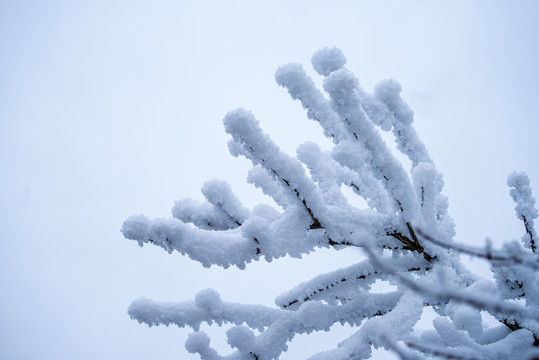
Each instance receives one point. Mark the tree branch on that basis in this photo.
(411, 244)
(532, 262)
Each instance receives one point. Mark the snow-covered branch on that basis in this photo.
(406, 231)
(521, 193)
(443, 293)
(514, 255)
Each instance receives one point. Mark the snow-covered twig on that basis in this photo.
(521, 193)
(444, 294)
(441, 353)
(523, 258)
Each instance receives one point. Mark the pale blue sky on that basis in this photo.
(114, 108)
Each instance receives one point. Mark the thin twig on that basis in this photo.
(485, 254)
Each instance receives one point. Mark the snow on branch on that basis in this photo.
(443, 293)
(207, 307)
(276, 326)
(521, 193)
(222, 211)
(406, 222)
(223, 248)
(346, 281)
(387, 92)
(514, 256)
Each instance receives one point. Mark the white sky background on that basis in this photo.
(114, 108)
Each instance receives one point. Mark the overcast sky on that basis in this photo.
(114, 108)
